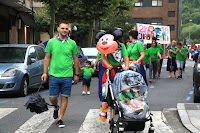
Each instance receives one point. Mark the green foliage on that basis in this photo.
(42, 18)
(191, 11)
(117, 21)
(80, 35)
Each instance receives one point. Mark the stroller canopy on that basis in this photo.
(127, 79)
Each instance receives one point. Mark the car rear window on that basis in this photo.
(12, 54)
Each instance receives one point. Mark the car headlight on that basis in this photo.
(10, 72)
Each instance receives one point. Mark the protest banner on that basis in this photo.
(146, 32)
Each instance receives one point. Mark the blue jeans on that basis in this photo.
(101, 72)
(60, 85)
(153, 69)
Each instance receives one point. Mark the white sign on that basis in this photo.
(146, 32)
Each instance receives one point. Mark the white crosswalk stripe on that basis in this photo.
(92, 125)
(6, 111)
(39, 123)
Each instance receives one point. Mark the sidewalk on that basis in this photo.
(189, 114)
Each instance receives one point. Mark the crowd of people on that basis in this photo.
(61, 50)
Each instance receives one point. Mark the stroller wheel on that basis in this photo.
(151, 130)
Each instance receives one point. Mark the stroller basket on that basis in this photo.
(134, 124)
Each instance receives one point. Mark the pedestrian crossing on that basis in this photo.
(40, 123)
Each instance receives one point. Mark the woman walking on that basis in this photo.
(171, 62)
(154, 53)
(136, 52)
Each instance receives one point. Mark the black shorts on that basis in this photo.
(86, 82)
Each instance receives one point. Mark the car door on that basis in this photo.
(33, 66)
(40, 55)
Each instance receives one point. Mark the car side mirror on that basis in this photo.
(31, 60)
(80, 56)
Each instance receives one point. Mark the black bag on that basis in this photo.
(36, 104)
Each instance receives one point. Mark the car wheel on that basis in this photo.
(24, 87)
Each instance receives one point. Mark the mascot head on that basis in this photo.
(106, 44)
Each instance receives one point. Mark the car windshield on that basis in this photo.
(12, 54)
(90, 51)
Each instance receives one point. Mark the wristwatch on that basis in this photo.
(76, 74)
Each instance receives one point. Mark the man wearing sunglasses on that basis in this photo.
(59, 53)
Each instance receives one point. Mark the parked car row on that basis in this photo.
(21, 67)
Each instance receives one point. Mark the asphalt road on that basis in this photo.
(14, 118)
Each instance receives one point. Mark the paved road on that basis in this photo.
(164, 93)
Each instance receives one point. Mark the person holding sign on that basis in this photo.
(135, 52)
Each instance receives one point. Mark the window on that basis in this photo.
(171, 13)
(139, 3)
(172, 27)
(32, 53)
(41, 53)
(157, 2)
(172, 1)
(138, 20)
(156, 21)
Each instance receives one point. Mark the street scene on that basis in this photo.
(82, 66)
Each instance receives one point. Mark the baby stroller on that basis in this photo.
(130, 101)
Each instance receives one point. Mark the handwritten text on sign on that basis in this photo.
(146, 32)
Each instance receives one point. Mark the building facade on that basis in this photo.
(17, 25)
(159, 12)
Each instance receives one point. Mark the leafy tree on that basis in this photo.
(191, 11)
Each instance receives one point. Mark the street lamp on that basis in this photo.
(189, 30)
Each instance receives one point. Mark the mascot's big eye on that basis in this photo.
(106, 39)
(102, 39)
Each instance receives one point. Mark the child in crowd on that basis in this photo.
(87, 73)
(180, 56)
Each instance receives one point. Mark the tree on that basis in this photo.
(89, 11)
(53, 5)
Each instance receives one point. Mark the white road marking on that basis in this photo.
(39, 123)
(6, 111)
(92, 125)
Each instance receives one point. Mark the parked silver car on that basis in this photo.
(21, 67)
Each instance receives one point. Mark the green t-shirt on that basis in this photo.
(111, 59)
(146, 57)
(134, 50)
(122, 97)
(179, 56)
(185, 51)
(161, 51)
(170, 53)
(99, 55)
(158, 45)
(60, 64)
(153, 53)
(87, 72)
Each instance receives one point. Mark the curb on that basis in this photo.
(183, 114)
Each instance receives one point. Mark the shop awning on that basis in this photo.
(28, 20)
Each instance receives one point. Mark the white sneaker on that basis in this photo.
(88, 92)
(83, 93)
(140, 109)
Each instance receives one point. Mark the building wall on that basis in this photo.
(161, 12)
(13, 39)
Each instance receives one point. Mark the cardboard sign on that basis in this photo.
(146, 32)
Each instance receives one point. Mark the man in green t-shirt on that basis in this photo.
(180, 57)
(59, 53)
